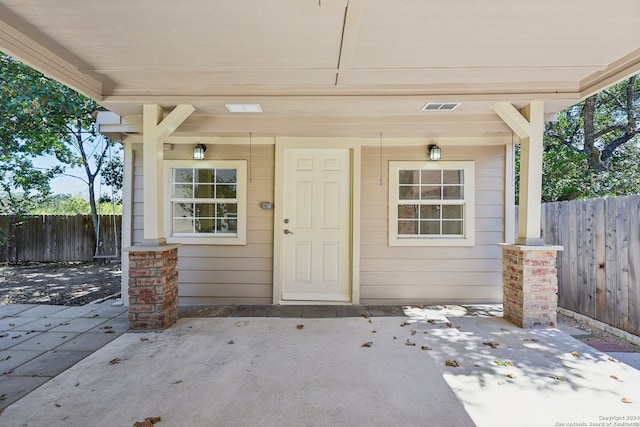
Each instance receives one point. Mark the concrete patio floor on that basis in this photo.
(238, 371)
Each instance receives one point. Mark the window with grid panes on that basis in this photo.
(207, 202)
(431, 203)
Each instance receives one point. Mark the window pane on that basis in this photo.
(407, 227)
(232, 226)
(452, 227)
(226, 175)
(430, 212)
(408, 177)
(429, 227)
(453, 177)
(183, 210)
(205, 210)
(453, 193)
(204, 191)
(452, 211)
(205, 225)
(433, 177)
(430, 192)
(225, 191)
(183, 175)
(183, 191)
(182, 225)
(205, 175)
(407, 192)
(408, 211)
(224, 226)
(226, 210)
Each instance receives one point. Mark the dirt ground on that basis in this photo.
(58, 283)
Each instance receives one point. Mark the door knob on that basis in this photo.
(288, 231)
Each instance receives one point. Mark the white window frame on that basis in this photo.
(468, 237)
(240, 238)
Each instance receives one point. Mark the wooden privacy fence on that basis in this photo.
(599, 268)
(57, 238)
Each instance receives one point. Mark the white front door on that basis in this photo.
(316, 225)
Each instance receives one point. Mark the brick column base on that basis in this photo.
(530, 285)
(153, 287)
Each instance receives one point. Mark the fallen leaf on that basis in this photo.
(413, 332)
(177, 382)
(299, 326)
(431, 321)
(4, 335)
(12, 324)
(366, 316)
(395, 338)
(114, 361)
(452, 363)
(403, 324)
(231, 342)
(15, 337)
(616, 378)
(367, 344)
(503, 362)
(611, 359)
(449, 325)
(492, 344)
(627, 400)
(374, 331)
(409, 343)
(110, 331)
(76, 384)
(148, 422)
(532, 339)
(3, 396)
(370, 321)
(144, 339)
(511, 376)
(5, 358)
(555, 377)
(106, 327)
(424, 347)
(47, 325)
(57, 405)
(576, 354)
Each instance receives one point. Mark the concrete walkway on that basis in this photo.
(441, 366)
(38, 342)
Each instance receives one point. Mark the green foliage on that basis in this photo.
(65, 204)
(592, 149)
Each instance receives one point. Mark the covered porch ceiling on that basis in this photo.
(328, 67)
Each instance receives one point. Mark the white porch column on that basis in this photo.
(529, 126)
(154, 130)
(529, 275)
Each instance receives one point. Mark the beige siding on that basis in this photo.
(211, 274)
(432, 274)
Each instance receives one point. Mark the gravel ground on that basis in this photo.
(595, 334)
(58, 283)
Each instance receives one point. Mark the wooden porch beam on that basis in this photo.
(174, 119)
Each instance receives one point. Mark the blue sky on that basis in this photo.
(66, 184)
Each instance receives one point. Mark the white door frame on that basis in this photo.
(354, 146)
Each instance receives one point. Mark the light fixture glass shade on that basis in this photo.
(434, 152)
(198, 151)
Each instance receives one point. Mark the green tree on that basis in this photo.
(592, 150)
(40, 116)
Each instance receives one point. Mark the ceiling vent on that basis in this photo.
(440, 106)
(244, 108)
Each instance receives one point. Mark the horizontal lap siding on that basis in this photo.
(432, 274)
(218, 274)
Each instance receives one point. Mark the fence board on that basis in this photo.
(599, 269)
(57, 238)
